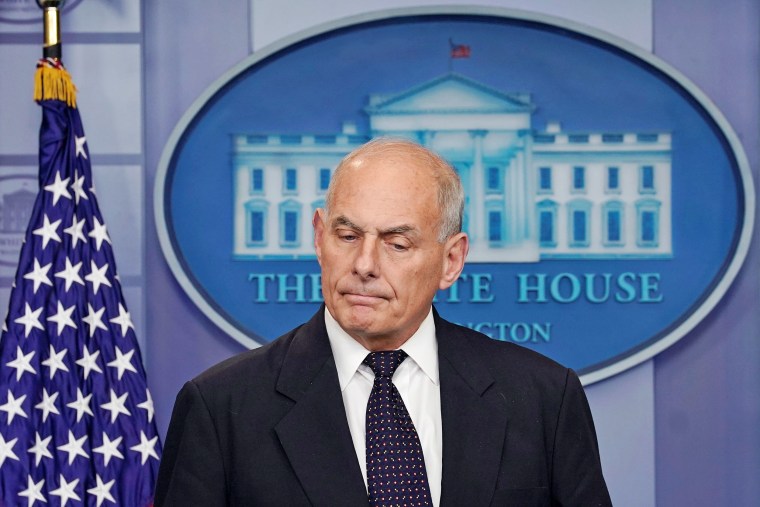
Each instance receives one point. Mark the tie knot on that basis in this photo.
(384, 363)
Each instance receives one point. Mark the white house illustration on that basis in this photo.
(530, 194)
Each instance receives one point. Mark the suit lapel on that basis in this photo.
(315, 434)
(474, 421)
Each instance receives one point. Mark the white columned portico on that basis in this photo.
(478, 230)
(519, 195)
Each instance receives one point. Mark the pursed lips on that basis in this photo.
(361, 298)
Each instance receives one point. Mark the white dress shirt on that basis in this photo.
(416, 380)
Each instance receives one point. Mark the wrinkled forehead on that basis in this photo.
(386, 184)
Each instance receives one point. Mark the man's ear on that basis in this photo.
(319, 231)
(455, 253)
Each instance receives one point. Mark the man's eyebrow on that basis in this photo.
(343, 221)
(399, 229)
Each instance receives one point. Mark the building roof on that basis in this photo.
(451, 94)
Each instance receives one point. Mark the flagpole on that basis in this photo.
(51, 21)
(51, 81)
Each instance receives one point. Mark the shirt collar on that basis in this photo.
(422, 348)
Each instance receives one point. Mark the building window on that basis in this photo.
(290, 181)
(547, 223)
(496, 222)
(256, 222)
(290, 220)
(324, 179)
(646, 179)
(257, 139)
(612, 138)
(648, 226)
(578, 221)
(648, 223)
(647, 138)
(544, 179)
(577, 138)
(257, 226)
(495, 229)
(579, 178)
(612, 222)
(494, 180)
(613, 179)
(546, 231)
(257, 180)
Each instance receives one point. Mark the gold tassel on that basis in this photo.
(53, 82)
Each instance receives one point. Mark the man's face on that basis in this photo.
(379, 252)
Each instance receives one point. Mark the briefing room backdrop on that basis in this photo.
(681, 428)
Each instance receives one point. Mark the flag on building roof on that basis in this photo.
(459, 50)
(76, 418)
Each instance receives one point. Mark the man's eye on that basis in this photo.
(399, 247)
(347, 237)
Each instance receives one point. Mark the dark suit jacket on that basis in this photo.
(268, 427)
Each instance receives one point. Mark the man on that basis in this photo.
(308, 419)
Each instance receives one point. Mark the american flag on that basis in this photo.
(76, 418)
(459, 50)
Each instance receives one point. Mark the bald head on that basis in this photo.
(450, 195)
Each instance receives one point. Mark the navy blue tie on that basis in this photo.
(395, 464)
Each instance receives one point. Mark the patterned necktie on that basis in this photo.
(395, 464)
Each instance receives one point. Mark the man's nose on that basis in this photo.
(366, 261)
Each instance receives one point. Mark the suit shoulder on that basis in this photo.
(505, 359)
(259, 363)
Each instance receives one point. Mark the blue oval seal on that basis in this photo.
(609, 203)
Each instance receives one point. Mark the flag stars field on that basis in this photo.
(6, 450)
(30, 320)
(58, 188)
(33, 491)
(81, 404)
(48, 231)
(99, 233)
(12, 406)
(97, 276)
(123, 362)
(74, 447)
(77, 186)
(40, 448)
(22, 363)
(89, 362)
(124, 320)
(102, 491)
(39, 275)
(116, 405)
(70, 274)
(63, 318)
(55, 361)
(66, 490)
(47, 405)
(94, 319)
(109, 448)
(76, 231)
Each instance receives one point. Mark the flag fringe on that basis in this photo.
(53, 82)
